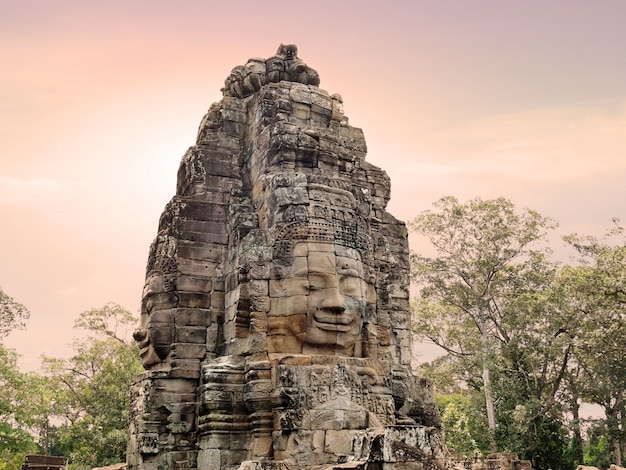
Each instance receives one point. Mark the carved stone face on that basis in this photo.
(154, 334)
(318, 306)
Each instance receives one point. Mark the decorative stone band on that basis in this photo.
(336, 232)
(162, 255)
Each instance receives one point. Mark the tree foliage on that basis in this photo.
(537, 338)
(79, 406)
(600, 292)
(95, 384)
(111, 321)
(464, 421)
(479, 298)
(15, 439)
(13, 315)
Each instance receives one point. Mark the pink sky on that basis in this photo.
(100, 100)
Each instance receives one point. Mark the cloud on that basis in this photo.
(566, 162)
(16, 191)
(548, 145)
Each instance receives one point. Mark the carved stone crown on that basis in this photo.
(245, 80)
(336, 232)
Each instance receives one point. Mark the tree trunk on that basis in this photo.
(491, 416)
(622, 426)
(614, 432)
(619, 430)
(578, 439)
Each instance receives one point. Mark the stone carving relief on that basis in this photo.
(247, 79)
(275, 314)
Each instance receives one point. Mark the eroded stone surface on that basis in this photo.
(275, 315)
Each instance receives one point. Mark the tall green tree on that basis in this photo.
(39, 401)
(600, 286)
(15, 440)
(95, 384)
(482, 299)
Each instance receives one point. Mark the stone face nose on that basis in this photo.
(333, 301)
(140, 335)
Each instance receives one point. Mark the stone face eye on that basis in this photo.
(351, 286)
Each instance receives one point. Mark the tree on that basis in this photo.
(462, 417)
(39, 400)
(111, 320)
(600, 286)
(95, 385)
(478, 295)
(13, 315)
(15, 440)
(598, 450)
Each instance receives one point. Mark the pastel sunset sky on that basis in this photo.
(100, 100)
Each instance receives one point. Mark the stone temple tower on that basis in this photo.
(275, 314)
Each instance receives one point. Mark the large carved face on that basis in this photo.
(155, 331)
(318, 305)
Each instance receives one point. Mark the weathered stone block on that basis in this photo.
(327, 419)
(355, 420)
(217, 300)
(280, 344)
(190, 334)
(209, 458)
(188, 351)
(338, 442)
(260, 303)
(291, 288)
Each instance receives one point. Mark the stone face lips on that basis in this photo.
(275, 315)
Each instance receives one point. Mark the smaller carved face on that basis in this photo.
(155, 331)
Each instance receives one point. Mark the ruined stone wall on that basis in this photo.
(275, 315)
